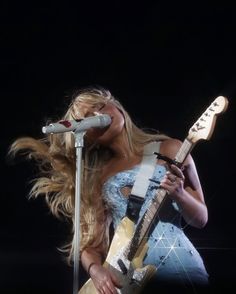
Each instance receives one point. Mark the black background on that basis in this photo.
(165, 61)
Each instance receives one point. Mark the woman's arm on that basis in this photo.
(104, 281)
(184, 186)
(92, 259)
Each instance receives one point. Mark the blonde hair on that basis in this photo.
(55, 157)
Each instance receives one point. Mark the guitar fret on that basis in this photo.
(183, 151)
(152, 210)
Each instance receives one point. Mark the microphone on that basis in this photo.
(97, 121)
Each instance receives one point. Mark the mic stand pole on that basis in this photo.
(79, 144)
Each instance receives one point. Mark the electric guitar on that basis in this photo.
(129, 244)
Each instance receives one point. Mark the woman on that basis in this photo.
(112, 156)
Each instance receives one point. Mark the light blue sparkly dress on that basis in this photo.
(175, 257)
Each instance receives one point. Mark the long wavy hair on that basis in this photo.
(54, 155)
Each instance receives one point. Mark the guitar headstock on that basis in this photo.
(204, 126)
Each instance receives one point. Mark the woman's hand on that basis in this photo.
(173, 182)
(104, 281)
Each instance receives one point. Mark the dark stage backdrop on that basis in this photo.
(166, 62)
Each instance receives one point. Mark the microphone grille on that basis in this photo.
(105, 120)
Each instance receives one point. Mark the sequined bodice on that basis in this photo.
(112, 193)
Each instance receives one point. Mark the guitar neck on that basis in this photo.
(150, 214)
(202, 129)
(184, 151)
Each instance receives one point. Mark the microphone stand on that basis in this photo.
(79, 144)
(79, 129)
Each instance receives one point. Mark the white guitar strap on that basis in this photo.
(141, 184)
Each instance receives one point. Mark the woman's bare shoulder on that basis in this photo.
(170, 147)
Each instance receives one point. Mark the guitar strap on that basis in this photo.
(142, 181)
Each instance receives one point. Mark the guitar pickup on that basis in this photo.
(122, 266)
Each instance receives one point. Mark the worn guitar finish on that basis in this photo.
(129, 244)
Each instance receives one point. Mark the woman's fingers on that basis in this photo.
(111, 288)
(105, 281)
(173, 180)
(177, 171)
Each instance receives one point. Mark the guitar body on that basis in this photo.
(131, 274)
